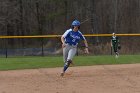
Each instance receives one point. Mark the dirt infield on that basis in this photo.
(89, 79)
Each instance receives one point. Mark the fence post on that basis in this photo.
(6, 54)
(77, 51)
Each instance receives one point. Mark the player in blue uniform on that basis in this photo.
(70, 41)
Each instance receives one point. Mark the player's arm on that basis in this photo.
(85, 43)
(63, 41)
(86, 46)
(63, 38)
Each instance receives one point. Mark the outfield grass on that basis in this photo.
(51, 62)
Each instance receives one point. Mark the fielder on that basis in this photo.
(115, 44)
(70, 41)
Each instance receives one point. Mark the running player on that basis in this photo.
(70, 41)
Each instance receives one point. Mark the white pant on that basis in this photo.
(69, 52)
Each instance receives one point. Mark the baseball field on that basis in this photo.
(90, 74)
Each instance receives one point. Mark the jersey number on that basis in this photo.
(73, 40)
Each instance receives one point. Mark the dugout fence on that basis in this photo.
(50, 45)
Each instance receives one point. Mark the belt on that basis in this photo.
(71, 44)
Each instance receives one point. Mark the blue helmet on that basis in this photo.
(75, 23)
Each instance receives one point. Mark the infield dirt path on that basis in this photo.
(85, 79)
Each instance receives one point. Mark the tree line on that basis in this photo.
(43, 17)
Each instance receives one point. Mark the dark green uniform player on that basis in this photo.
(114, 44)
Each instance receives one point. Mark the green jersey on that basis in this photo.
(114, 40)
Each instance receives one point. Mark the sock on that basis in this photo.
(66, 65)
(65, 68)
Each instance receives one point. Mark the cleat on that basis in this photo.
(116, 56)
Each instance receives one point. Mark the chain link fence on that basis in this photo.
(52, 46)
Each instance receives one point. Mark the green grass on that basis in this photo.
(57, 61)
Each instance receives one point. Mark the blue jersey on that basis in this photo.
(72, 37)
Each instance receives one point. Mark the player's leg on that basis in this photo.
(71, 54)
(65, 53)
(116, 50)
(66, 65)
